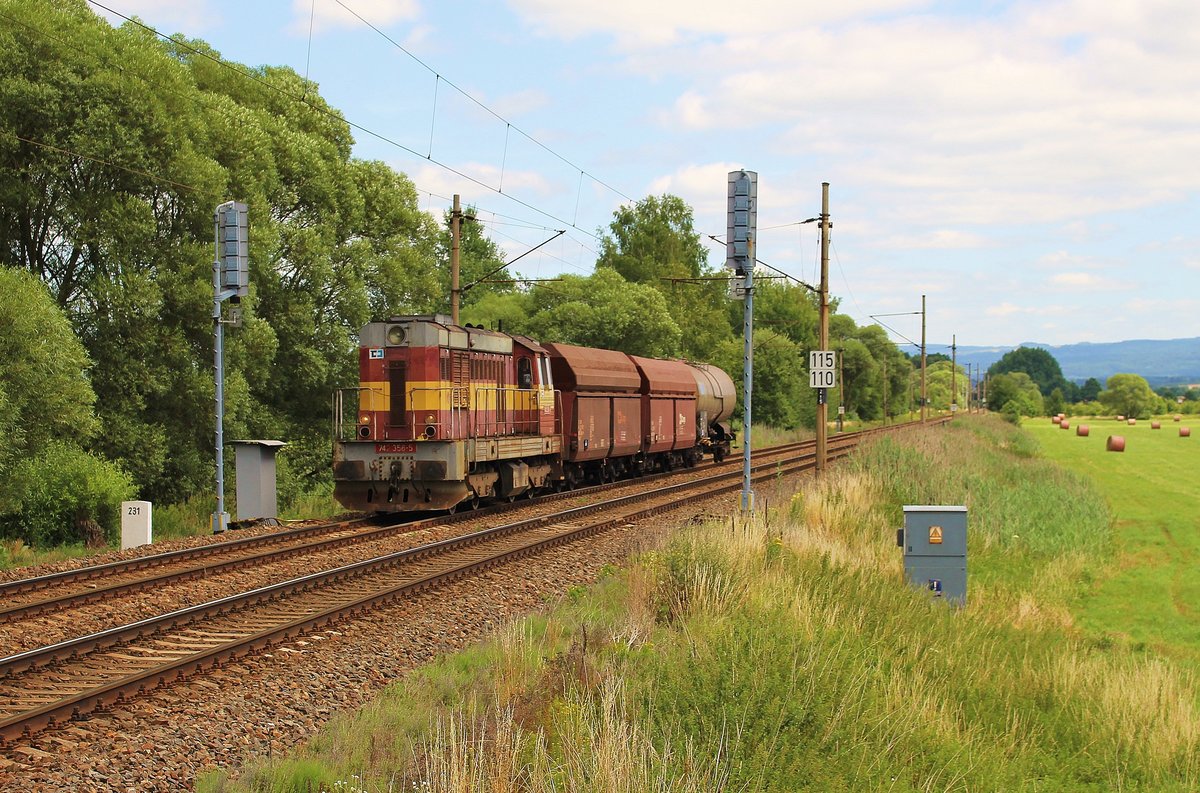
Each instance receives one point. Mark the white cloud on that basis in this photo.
(1004, 310)
(1086, 281)
(328, 14)
(637, 23)
(1042, 112)
(943, 238)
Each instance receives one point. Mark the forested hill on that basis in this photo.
(1160, 361)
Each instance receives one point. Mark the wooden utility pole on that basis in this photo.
(841, 389)
(924, 394)
(953, 374)
(455, 237)
(823, 332)
(885, 390)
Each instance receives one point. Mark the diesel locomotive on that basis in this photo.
(451, 415)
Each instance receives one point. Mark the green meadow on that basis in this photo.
(785, 653)
(1150, 595)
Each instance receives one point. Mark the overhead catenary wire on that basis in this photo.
(354, 125)
(102, 161)
(442, 78)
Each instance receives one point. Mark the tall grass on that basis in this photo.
(786, 653)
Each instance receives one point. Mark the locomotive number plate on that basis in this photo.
(395, 448)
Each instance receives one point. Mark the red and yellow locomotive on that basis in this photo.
(449, 414)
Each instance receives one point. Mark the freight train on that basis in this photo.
(451, 415)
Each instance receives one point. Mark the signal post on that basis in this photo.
(742, 216)
(822, 379)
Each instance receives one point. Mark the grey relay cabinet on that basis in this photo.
(934, 540)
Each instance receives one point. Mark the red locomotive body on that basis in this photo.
(452, 414)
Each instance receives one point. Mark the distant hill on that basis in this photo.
(1161, 362)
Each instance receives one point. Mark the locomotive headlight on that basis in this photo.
(364, 419)
(395, 335)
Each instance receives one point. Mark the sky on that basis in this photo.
(1032, 168)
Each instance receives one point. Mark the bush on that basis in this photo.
(1012, 413)
(65, 495)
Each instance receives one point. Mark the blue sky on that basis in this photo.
(1032, 167)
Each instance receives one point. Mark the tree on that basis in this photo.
(142, 138)
(1018, 390)
(1039, 364)
(42, 381)
(782, 397)
(655, 240)
(1055, 402)
(942, 378)
(1129, 395)
(605, 311)
(1090, 390)
(51, 490)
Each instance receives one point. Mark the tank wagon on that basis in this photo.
(451, 415)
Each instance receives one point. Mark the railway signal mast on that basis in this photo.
(231, 281)
(822, 379)
(739, 257)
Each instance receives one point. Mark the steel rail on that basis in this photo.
(309, 539)
(73, 706)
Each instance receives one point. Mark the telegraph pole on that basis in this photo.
(455, 237)
(823, 333)
(953, 374)
(885, 390)
(923, 367)
(841, 388)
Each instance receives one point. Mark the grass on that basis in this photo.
(191, 518)
(784, 653)
(1151, 595)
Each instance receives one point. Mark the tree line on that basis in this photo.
(1028, 381)
(116, 145)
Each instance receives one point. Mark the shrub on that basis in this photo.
(1012, 413)
(63, 496)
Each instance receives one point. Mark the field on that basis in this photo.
(1151, 594)
(785, 653)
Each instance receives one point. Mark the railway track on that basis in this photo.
(56, 684)
(62, 591)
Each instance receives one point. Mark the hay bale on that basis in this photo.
(1116, 443)
(1066, 425)
(1185, 432)
(1155, 425)
(1132, 422)
(1082, 430)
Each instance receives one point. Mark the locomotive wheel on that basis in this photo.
(473, 503)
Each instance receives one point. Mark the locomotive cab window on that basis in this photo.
(524, 374)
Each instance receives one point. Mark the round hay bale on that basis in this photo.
(1082, 430)
(1155, 425)
(1116, 443)
(1056, 420)
(1066, 425)
(1120, 418)
(1185, 432)
(1131, 422)
(1178, 417)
